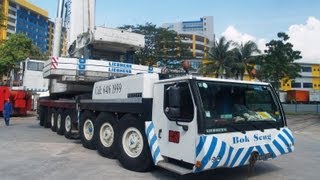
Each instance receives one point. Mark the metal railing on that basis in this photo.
(301, 108)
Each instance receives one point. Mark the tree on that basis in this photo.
(160, 45)
(220, 59)
(15, 49)
(278, 62)
(244, 59)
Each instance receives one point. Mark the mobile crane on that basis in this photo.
(184, 124)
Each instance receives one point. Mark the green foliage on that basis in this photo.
(161, 45)
(244, 58)
(15, 49)
(278, 62)
(220, 59)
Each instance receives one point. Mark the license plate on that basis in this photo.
(265, 156)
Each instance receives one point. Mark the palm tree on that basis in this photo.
(244, 57)
(220, 59)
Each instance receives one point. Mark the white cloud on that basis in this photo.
(306, 38)
(231, 33)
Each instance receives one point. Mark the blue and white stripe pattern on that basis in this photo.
(214, 153)
(153, 143)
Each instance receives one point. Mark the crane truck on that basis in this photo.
(23, 87)
(185, 124)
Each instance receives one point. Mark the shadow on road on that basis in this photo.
(261, 168)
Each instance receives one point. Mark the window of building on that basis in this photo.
(12, 12)
(10, 19)
(307, 85)
(306, 69)
(12, 28)
(12, 5)
(296, 85)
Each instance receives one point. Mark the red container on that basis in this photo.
(19, 103)
(300, 96)
(17, 94)
(4, 95)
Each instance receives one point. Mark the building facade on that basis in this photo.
(198, 35)
(25, 17)
(309, 77)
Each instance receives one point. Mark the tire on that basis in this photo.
(86, 129)
(60, 122)
(138, 159)
(68, 119)
(41, 115)
(53, 119)
(105, 135)
(47, 122)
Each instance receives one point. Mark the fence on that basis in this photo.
(301, 108)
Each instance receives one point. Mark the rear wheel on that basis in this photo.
(134, 153)
(86, 129)
(53, 119)
(60, 122)
(68, 118)
(105, 131)
(47, 120)
(41, 115)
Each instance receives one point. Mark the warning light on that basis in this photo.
(198, 164)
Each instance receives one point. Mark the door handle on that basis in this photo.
(159, 133)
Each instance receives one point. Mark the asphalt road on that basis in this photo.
(28, 151)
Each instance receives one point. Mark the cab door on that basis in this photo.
(176, 130)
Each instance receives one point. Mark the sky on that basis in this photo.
(237, 20)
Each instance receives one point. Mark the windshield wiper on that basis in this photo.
(270, 123)
(253, 125)
(237, 129)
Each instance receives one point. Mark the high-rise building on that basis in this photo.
(198, 35)
(25, 17)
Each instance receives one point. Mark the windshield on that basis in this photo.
(35, 66)
(235, 106)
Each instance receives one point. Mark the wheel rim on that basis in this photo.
(52, 119)
(106, 134)
(59, 121)
(67, 123)
(132, 142)
(88, 129)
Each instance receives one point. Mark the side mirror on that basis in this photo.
(174, 102)
(174, 96)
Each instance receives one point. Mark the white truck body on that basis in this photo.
(138, 86)
(139, 105)
(186, 124)
(32, 76)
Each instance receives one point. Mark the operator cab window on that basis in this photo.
(186, 103)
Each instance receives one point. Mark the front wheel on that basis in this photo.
(134, 152)
(86, 129)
